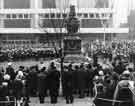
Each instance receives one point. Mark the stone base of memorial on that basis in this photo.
(72, 45)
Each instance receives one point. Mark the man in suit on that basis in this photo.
(81, 79)
(42, 84)
(68, 85)
(54, 83)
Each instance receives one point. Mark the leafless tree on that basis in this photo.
(55, 21)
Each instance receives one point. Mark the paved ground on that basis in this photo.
(61, 102)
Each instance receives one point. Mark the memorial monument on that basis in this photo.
(72, 42)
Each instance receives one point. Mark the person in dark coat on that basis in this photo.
(75, 82)
(54, 83)
(42, 84)
(89, 81)
(68, 85)
(27, 85)
(32, 81)
(81, 75)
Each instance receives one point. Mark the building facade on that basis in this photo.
(42, 21)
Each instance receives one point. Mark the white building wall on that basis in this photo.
(35, 4)
(1, 19)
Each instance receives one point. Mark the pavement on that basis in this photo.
(61, 102)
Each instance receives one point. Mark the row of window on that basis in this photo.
(56, 16)
(17, 16)
(80, 15)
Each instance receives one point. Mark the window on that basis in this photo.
(97, 15)
(46, 15)
(13, 15)
(85, 15)
(26, 16)
(20, 16)
(110, 15)
(52, 15)
(58, 15)
(103, 15)
(64, 15)
(79, 14)
(8, 16)
(91, 15)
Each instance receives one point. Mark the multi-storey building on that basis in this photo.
(34, 21)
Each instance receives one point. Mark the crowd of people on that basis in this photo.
(125, 48)
(110, 79)
(92, 80)
(22, 54)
